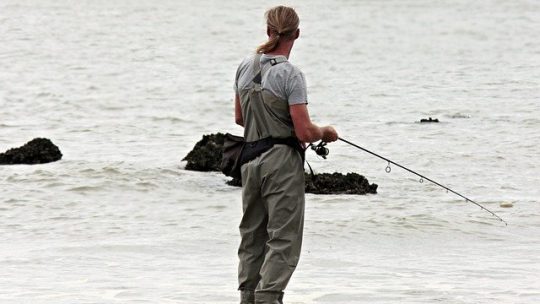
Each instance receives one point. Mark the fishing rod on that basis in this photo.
(320, 149)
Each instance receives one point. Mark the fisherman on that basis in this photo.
(271, 105)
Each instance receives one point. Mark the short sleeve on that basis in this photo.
(240, 71)
(296, 89)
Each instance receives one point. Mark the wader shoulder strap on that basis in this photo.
(277, 60)
(258, 71)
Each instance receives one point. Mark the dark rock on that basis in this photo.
(337, 183)
(36, 151)
(207, 153)
(332, 183)
(430, 120)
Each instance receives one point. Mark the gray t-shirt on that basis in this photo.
(284, 80)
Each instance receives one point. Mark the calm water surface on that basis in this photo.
(126, 88)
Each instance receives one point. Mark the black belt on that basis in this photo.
(254, 149)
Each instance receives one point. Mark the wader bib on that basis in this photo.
(272, 197)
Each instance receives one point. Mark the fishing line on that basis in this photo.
(388, 169)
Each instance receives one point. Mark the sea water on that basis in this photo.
(126, 88)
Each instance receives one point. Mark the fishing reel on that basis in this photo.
(320, 149)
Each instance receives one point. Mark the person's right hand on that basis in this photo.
(329, 134)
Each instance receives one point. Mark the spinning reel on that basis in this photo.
(320, 149)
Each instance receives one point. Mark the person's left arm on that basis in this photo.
(238, 111)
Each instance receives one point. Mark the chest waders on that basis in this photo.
(272, 196)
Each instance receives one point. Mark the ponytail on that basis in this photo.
(269, 45)
(281, 22)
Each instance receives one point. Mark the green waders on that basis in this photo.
(273, 199)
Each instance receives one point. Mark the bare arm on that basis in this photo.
(238, 111)
(307, 131)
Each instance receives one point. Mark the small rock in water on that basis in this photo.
(429, 120)
(36, 151)
(506, 205)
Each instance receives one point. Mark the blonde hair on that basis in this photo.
(282, 22)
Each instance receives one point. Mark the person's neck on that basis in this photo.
(282, 49)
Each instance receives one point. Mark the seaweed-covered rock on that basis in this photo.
(337, 183)
(36, 151)
(207, 153)
(331, 183)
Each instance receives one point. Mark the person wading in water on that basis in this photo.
(271, 105)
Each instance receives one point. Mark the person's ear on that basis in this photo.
(297, 33)
(268, 31)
